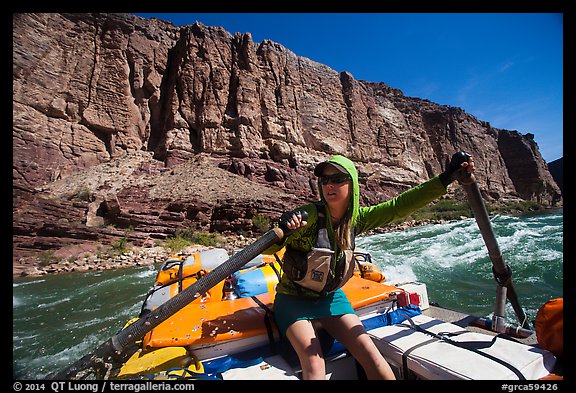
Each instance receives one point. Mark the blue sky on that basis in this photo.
(504, 68)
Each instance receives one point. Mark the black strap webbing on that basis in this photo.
(472, 347)
(274, 267)
(405, 368)
(180, 275)
(268, 322)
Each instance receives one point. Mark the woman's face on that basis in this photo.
(335, 191)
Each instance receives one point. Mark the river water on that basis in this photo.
(58, 319)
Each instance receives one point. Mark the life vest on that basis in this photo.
(318, 269)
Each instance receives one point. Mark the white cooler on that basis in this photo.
(434, 359)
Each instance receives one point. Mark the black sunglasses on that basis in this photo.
(337, 178)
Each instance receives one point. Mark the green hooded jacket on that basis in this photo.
(363, 218)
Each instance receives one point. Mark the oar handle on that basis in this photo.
(113, 349)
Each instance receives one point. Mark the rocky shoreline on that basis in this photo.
(94, 262)
(88, 259)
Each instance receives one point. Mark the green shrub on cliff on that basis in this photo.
(188, 237)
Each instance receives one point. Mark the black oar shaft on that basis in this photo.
(500, 267)
(481, 216)
(114, 346)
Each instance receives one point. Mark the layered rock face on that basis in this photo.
(121, 122)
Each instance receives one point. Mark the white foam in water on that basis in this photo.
(88, 322)
(398, 274)
(146, 273)
(40, 366)
(444, 245)
(20, 284)
(54, 303)
(130, 312)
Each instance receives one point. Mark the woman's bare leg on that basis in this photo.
(303, 338)
(348, 329)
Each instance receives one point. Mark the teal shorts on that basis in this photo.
(289, 309)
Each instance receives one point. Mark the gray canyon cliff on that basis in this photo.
(121, 122)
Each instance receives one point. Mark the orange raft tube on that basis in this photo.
(211, 319)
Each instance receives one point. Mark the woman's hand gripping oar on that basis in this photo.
(114, 350)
